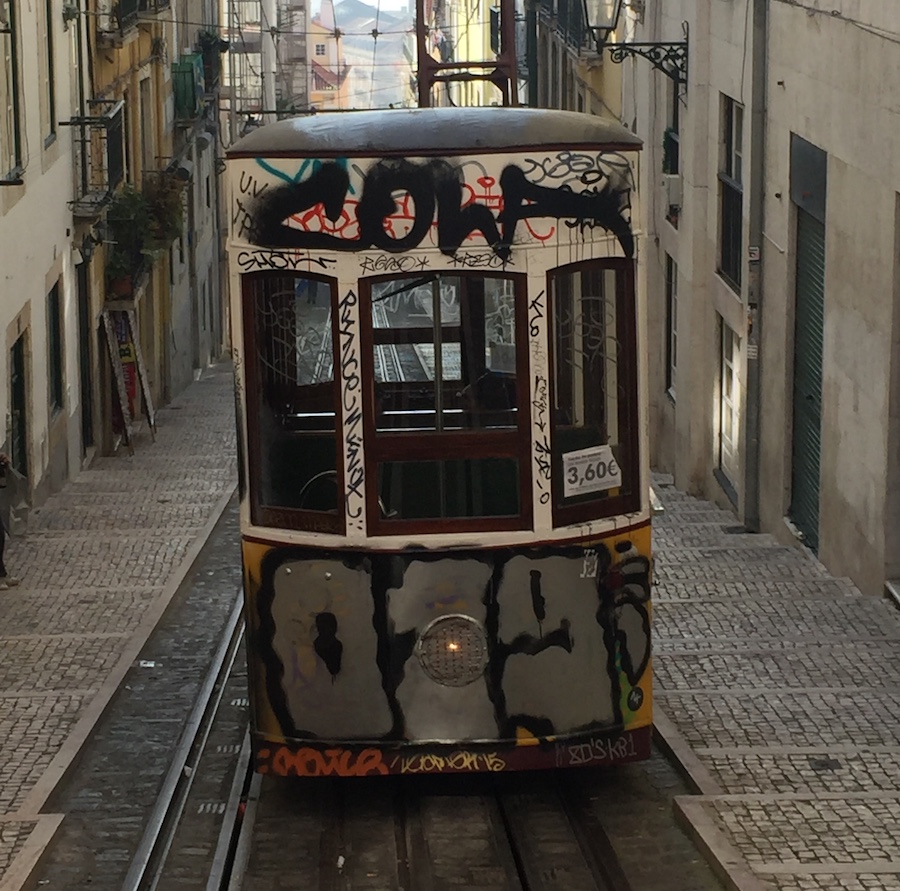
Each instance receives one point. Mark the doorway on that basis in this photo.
(18, 444)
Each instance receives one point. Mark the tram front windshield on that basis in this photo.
(439, 394)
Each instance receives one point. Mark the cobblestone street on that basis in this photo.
(777, 685)
(99, 564)
(777, 689)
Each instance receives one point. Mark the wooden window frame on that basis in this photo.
(426, 445)
(628, 409)
(272, 516)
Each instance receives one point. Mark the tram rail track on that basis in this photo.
(166, 821)
(425, 833)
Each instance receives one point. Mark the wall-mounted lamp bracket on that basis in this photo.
(669, 58)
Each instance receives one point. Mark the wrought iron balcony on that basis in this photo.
(99, 155)
(568, 18)
(152, 7)
(113, 26)
(570, 22)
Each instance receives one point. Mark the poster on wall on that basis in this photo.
(129, 372)
(142, 373)
(122, 404)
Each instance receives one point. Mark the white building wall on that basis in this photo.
(832, 78)
(35, 252)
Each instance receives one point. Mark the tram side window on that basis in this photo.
(595, 460)
(291, 401)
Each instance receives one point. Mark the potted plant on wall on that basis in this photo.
(127, 219)
(165, 209)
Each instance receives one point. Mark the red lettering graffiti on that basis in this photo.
(307, 762)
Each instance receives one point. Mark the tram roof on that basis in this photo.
(434, 131)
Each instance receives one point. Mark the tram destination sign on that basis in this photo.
(590, 470)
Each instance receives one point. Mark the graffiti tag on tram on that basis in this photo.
(458, 762)
(270, 217)
(308, 762)
(597, 751)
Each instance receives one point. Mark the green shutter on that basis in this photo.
(808, 336)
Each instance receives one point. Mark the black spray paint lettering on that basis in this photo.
(473, 260)
(250, 190)
(352, 405)
(535, 314)
(250, 261)
(542, 450)
(431, 185)
(603, 207)
(384, 263)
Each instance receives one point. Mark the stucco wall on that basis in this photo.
(831, 83)
(833, 80)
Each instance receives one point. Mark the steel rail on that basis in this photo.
(232, 822)
(146, 864)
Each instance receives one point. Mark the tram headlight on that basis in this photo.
(453, 651)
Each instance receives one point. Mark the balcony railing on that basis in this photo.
(114, 25)
(152, 7)
(570, 22)
(98, 154)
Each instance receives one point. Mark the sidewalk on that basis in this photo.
(777, 686)
(778, 690)
(99, 563)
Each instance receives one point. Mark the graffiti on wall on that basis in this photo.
(398, 203)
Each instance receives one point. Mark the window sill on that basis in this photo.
(733, 285)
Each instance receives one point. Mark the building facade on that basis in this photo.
(39, 309)
(770, 191)
(772, 261)
(109, 223)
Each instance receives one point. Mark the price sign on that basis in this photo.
(590, 470)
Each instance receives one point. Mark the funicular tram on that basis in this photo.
(445, 518)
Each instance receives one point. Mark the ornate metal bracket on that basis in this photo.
(670, 58)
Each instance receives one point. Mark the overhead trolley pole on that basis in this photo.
(501, 71)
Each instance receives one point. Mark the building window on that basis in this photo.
(49, 83)
(671, 137)
(728, 403)
(320, 49)
(10, 99)
(731, 192)
(671, 324)
(55, 348)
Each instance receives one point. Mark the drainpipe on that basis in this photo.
(531, 50)
(759, 86)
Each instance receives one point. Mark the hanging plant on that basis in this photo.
(165, 208)
(127, 219)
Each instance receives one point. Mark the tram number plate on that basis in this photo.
(590, 470)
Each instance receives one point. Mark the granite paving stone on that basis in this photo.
(98, 557)
(777, 681)
(783, 684)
